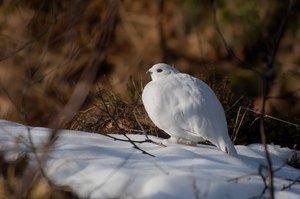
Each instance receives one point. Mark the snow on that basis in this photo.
(96, 166)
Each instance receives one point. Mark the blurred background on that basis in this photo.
(47, 45)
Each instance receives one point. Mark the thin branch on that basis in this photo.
(80, 91)
(121, 130)
(136, 147)
(238, 126)
(110, 175)
(263, 179)
(266, 80)
(264, 140)
(294, 181)
(236, 179)
(25, 45)
(143, 130)
(229, 50)
(258, 173)
(272, 117)
(126, 140)
(235, 103)
(285, 95)
(279, 34)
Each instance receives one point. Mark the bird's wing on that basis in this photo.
(165, 104)
(197, 107)
(190, 97)
(179, 104)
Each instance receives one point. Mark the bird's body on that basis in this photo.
(185, 108)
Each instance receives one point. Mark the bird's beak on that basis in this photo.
(149, 72)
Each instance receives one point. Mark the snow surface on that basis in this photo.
(96, 166)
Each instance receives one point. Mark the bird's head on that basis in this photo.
(160, 70)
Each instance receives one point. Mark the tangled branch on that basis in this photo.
(266, 76)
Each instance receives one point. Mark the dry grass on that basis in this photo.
(110, 114)
(43, 60)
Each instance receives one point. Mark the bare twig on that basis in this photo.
(264, 141)
(23, 46)
(126, 140)
(77, 98)
(238, 126)
(120, 129)
(294, 181)
(110, 175)
(265, 178)
(229, 50)
(258, 173)
(89, 74)
(272, 117)
(285, 95)
(266, 77)
(163, 43)
(143, 130)
(236, 179)
(235, 103)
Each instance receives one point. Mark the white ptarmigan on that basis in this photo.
(185, 108)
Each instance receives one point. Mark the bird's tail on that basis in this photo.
(227, 146)
(230, 149)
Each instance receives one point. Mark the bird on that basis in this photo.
(186, 108)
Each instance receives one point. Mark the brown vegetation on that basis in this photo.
(46, 45)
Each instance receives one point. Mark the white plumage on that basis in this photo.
(185, 108)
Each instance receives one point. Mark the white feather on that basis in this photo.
(185, 108)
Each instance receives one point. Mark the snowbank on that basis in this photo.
(99, 167)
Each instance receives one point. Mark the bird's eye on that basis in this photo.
(159, 70)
